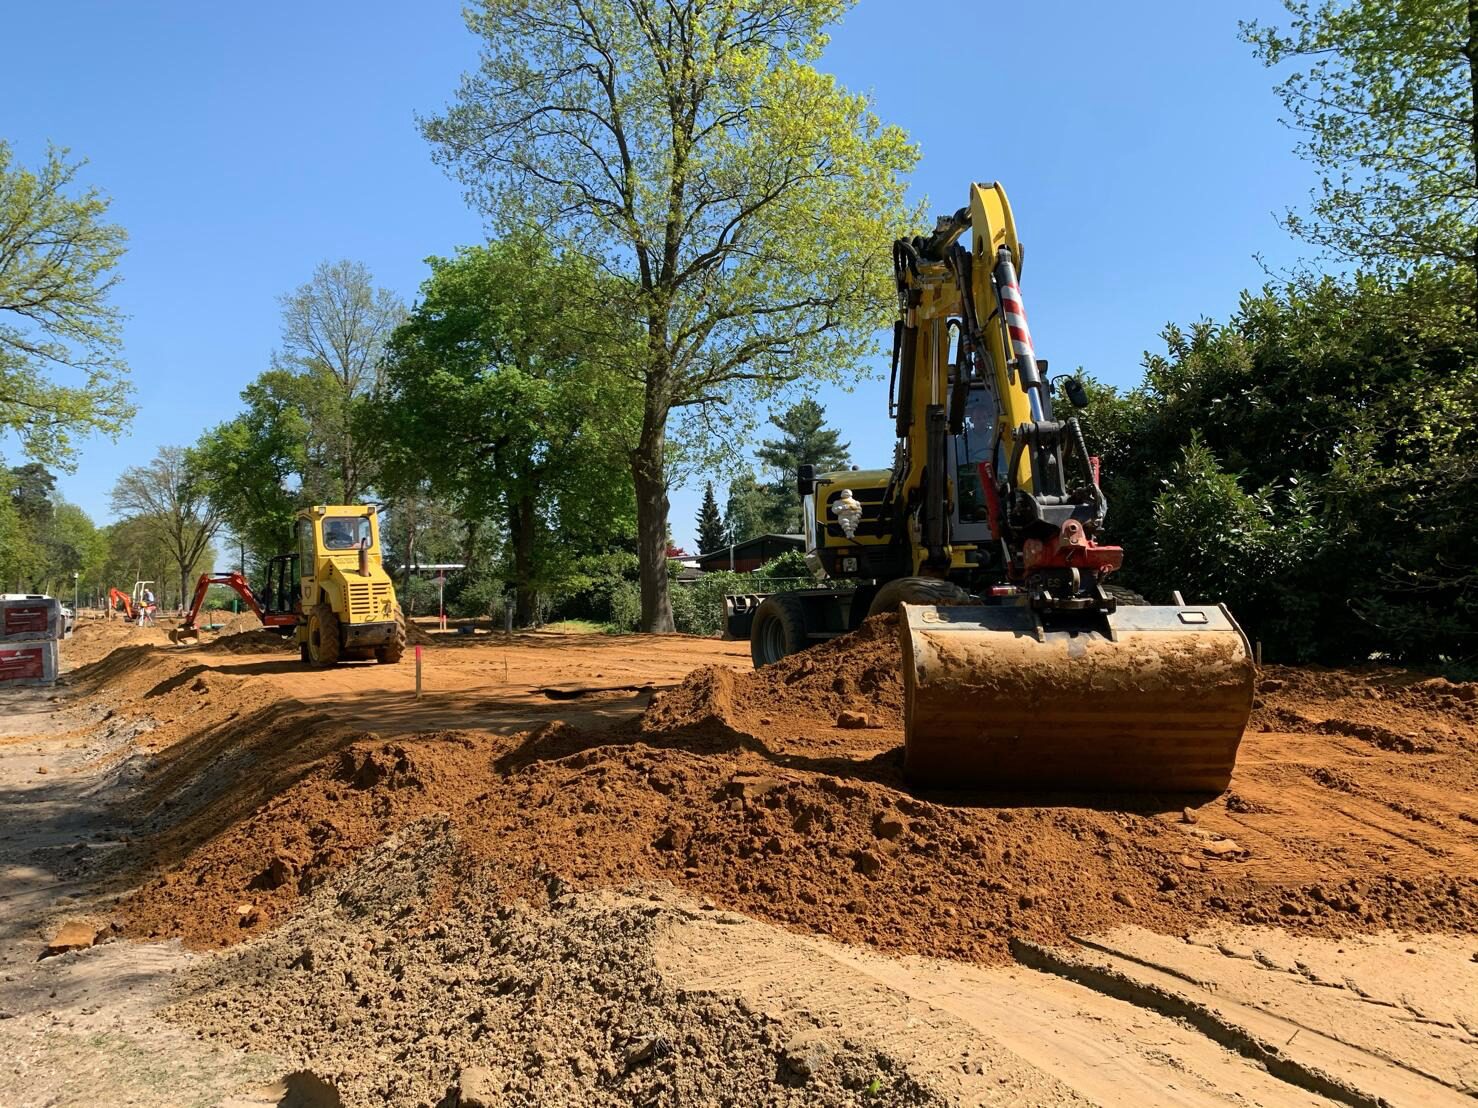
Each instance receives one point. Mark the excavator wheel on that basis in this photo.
(323, 636)
(916, 590)
(1126, 596)
(779, 630)
(392, 651)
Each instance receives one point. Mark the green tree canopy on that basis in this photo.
(260, 467)
(710, 522)
(1308, 462)
(495, 395)
(748, 508)
(1386, 96)
(745, 201)
(804, 440)
(57, 257)
(334, 330)
(174, 503)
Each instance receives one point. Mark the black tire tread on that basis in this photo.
(786, 609)
(916, 590)
(329, 649)
(394, 650)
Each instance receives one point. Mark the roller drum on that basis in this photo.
(1159, 705)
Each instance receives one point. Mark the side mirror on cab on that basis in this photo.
(1077, 396)
(805, 480)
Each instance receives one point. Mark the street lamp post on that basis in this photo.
(76, 576)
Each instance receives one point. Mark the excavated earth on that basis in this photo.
(1352, 810)
(467, 844)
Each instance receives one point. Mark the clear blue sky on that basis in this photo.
(242, 144)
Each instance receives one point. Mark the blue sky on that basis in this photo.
(243, 144)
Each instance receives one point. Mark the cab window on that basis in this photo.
(305, 547)
(346, 532)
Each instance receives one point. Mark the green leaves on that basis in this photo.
(498, 394)
(741, 202)
(1385, 101)
(57, 258)
(1310, 462)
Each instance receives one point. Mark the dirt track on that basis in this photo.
(249, 787)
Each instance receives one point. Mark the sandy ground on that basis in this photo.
(582, 869)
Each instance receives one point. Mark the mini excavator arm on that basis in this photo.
(121, 600)
(243, 589)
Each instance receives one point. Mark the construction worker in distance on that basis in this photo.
(146, 609)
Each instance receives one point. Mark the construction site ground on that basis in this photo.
(628, 870)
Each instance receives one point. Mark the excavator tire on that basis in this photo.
(392, 651)
(1149, 698)
(1126, 596)
(323, 636)
(916, 590)
(779, 629)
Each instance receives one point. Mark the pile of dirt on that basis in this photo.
(256, 640)
(743, 787)
(418, 956)
(93, 639)
(417, 635)
(857, 673)
(234, 624)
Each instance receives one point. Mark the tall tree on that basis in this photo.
(804, 440)
(334, 328)
(171, 502)
(1387, 101)
(745, 200)
(493, 394)
(710, 522)
(747, 508)
(260, 467)
(57, 256)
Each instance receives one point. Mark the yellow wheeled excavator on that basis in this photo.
(1021, 664)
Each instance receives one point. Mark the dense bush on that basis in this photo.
(1313, 462)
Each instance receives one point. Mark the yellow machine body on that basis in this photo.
(1033, 670)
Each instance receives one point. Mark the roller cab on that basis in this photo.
(1151, 699)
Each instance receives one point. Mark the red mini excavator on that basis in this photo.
(120, 602)
(282, 616)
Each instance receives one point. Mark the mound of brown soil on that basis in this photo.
(257, 640)
(409, 956)
(855, 673)
(234, 624)
(742, 786)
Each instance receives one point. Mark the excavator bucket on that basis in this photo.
(184, 633)
(1154, 700)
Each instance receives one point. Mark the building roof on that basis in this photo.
(786, 540)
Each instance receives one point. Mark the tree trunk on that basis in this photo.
(521, 524)
(1472, 54)
(648, 471)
